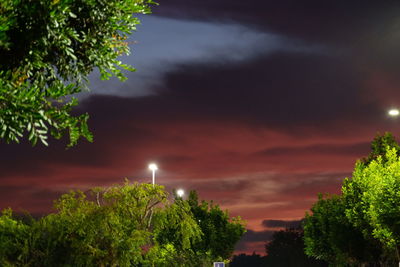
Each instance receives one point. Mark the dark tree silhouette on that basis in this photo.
(287, 250)
(244, 260)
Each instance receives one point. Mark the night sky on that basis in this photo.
(257, 105)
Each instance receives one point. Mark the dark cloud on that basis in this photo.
(367, 31)
(288, 89)
(281, 223)
(336, 21)
(283, 91)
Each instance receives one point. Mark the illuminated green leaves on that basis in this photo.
(46, 53)
(363, 224)
(130, 224)
(377, 187)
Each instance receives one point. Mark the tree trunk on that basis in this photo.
(397, 254)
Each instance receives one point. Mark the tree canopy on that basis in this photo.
(47, 50)
(123, 225)
(361, 226)
(378, 203)
(287, 249)
(330, 236)
(221, 233)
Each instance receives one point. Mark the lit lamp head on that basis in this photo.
(153, 167)
(394, 112)
(180, 192)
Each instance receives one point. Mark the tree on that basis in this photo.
(47, 50)
(330, 236)
(351, 229)
(355, 191)
(377, 186)
(118, 226)
(123, 225)
(13, 236)
(244, 260)
(379, 147)
(220, 232)
(287, 249)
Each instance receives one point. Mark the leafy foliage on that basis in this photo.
(362, 225)
(287, 249)
(353, 191)
(330, 236)
(379, 183)
(379, 147)
(220, 232)
(123, 225)
(180, 231)
(13, 237)
(117, 226)
(47, 50)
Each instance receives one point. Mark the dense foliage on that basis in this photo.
(221, 232)
(47, 50)
(124, 225)
(361, 227)
(378, 204)
(330, 235)
(287, 249)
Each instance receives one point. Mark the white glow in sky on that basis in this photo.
(153, 167)
(394, 112)
(160, 43)
(180, 192)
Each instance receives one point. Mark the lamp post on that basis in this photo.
(153, 167)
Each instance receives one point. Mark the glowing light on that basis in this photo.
(394, 112)
(153, 167)
(180, 192)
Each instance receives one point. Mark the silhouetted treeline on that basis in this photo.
(286, 249)
(253, 260)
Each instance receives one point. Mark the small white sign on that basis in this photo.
(219, 264)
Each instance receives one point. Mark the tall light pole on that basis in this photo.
(153, 167)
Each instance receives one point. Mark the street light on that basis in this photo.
(180, 193)
(153, 167)
(394, 112)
